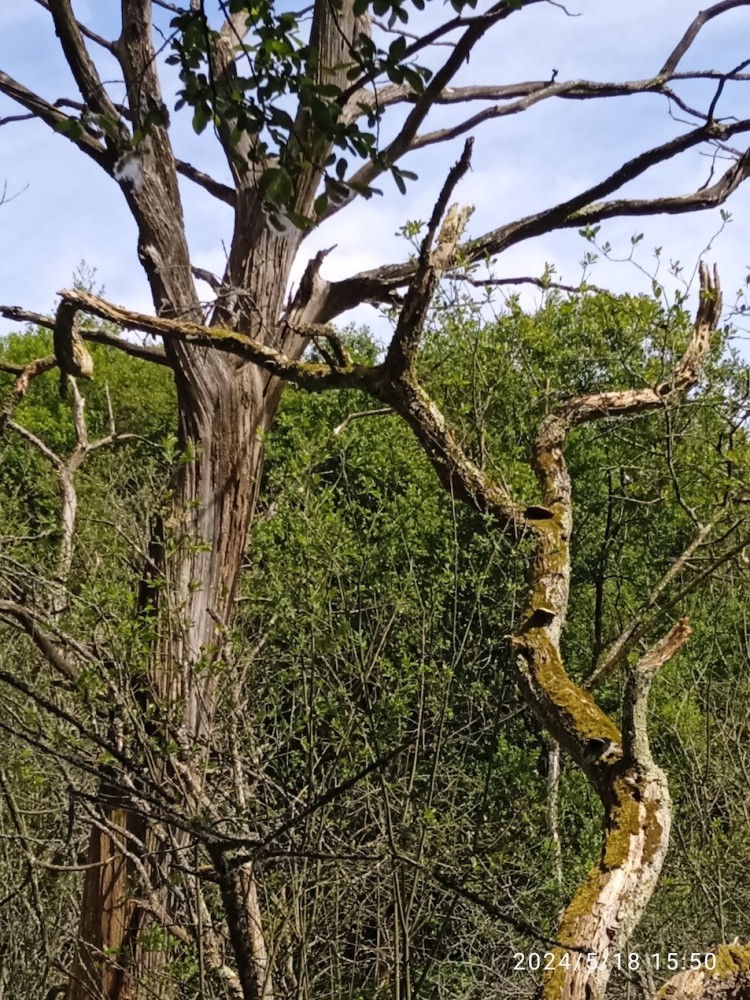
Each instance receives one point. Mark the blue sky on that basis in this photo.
(67, 210)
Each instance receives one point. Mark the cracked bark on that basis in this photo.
(223, 407)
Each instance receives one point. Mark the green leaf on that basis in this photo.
(277, 185)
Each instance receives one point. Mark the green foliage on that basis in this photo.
(383, 608)
(368, 664)
(117, 485)
(279, 70)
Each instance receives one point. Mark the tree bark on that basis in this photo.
(224, 406)
(728, 980)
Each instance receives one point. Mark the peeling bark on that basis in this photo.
(729, 980)
(225, 401)
(224, 407)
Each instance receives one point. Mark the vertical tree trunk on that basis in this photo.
(212, 500)
(224, 406)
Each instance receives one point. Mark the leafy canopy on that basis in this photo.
(277, 86)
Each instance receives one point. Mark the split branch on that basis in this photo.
(154, 354)
(71, 128)
(636, 749)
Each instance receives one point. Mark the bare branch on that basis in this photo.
(624, 402)
(544, 284)
(577, 90)
(37, 443)
(69, 127)
(586, 207)
(456, 471)
(616, 651)
(221, 191)
(643, 621)
(25, 374)
(479, 23)
(21, 315)
(526, 94)
(141, 351)
(208, 276)
(380, 283)
(45, 642)
(477, 27)
(83, 69)
(86, 32)
(691, 34)
(154, 354)
(635, 741)
(383, 411)
(430, 266)
(309, 376)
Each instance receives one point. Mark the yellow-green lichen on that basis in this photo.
(580, 908)
(625, 823)
(587, 719)
(731, 960)
(653, 829)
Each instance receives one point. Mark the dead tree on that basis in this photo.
(224, 403)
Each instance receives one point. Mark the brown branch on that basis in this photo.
(309, 376)
(586, 206)
(239, 147)
(635, 741)
(477, 28)
(208, 276)
(221, 191)
(459, 475)
(383, 411)
(86, 32)
(25, 374)
(702, 18)
(71, 128)
(21, 315)
(140, 351)
(154, 354)
(642, 624)
(615, 653)
(527, 94)
(577, 90)
(430, 266)
(430, 38)
(572, 91)
(543, 283)
(83, 69)
(624, 402)
(456, 471)
(43, 640)
(378, 285)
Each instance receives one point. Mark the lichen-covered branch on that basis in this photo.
(729, 979)
(24, 376)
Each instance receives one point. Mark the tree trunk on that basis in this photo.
(205, 536)
(224, 405)
(729, 979)
(609, 905)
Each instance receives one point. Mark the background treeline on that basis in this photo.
(370, 732)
